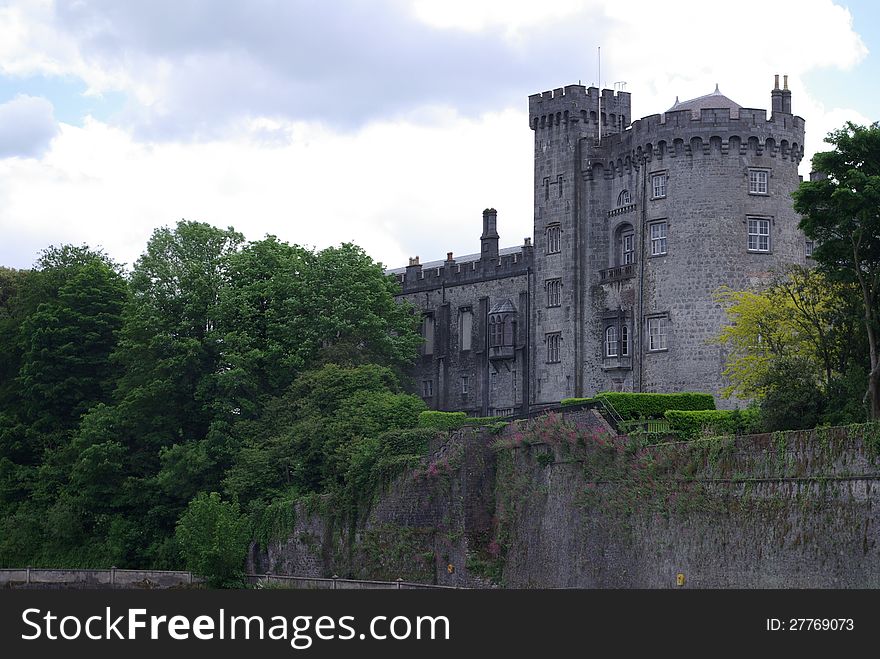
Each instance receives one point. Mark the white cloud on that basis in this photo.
(27, 126)
(397, 189)
(392, 130)
(514, 16)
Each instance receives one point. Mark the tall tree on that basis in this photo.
(841, 212)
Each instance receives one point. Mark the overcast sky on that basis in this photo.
(388, 123)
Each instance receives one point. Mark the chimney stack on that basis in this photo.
(786, 95)
(489, 239)
(776, 97)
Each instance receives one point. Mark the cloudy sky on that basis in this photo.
(388, 123)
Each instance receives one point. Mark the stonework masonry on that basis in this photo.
(789, 510)
(636, 226)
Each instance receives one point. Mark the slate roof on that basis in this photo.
(714, 101)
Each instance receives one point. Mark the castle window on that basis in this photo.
(658, 238)
(554, 236)
(465, 384)
(624, 341)
(559, 185)
(427, 388)
(627, 248)
(553, 340)
(554, 292)
(759, 235)
(496, 331)
(611, 341)
(658, 330)
(493, 380)
(465, 328)
(808, 249)
(624, 198)
(513, 384)
(546, 189)
(758, 181)
(428, 335)
(658, 185)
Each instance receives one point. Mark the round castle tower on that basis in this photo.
(636, 231)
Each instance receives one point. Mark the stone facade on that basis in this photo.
(636, 226)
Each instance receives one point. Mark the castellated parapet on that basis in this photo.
(576, 104)
(714, 131)
(636, 228)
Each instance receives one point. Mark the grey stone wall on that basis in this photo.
(792, 511)
(789, 510)
(427, 527)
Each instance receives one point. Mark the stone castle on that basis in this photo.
(636, 225)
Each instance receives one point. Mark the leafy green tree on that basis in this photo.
(264, 318)
(67, 342)
(803, 315)
(841, 212)
(302, 443)
(356, 319)
(213, 539)
(793, 399)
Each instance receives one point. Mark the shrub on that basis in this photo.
(793, 398)
(213, 537)
(652, 406)
(569, 402)
(441, 420)
(691, 424)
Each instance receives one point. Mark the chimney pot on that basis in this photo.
(785, 81)
(449, 256)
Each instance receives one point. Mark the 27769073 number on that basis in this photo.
(810, 624)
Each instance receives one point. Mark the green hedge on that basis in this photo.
(453, 420)
(652, 406)
(692, 424)
(567, 402)
(441, 420)
(648, 406)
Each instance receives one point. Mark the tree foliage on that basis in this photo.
(841, 212)
(802, 315)
(264, 368)
(213, 539)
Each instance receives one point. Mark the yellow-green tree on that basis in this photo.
(801, 316)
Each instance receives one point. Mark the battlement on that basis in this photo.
(579, 104)
(686, 134)
(470, 269)
(723, 118)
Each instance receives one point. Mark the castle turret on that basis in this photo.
(489, 239)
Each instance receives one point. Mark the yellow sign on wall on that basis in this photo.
(679, 579)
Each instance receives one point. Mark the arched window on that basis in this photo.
(624, 341)
(624, 198)
(611, 341)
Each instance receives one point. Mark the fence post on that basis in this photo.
(335, 577)
(28, 575)
(112, 575)
(399, 581)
